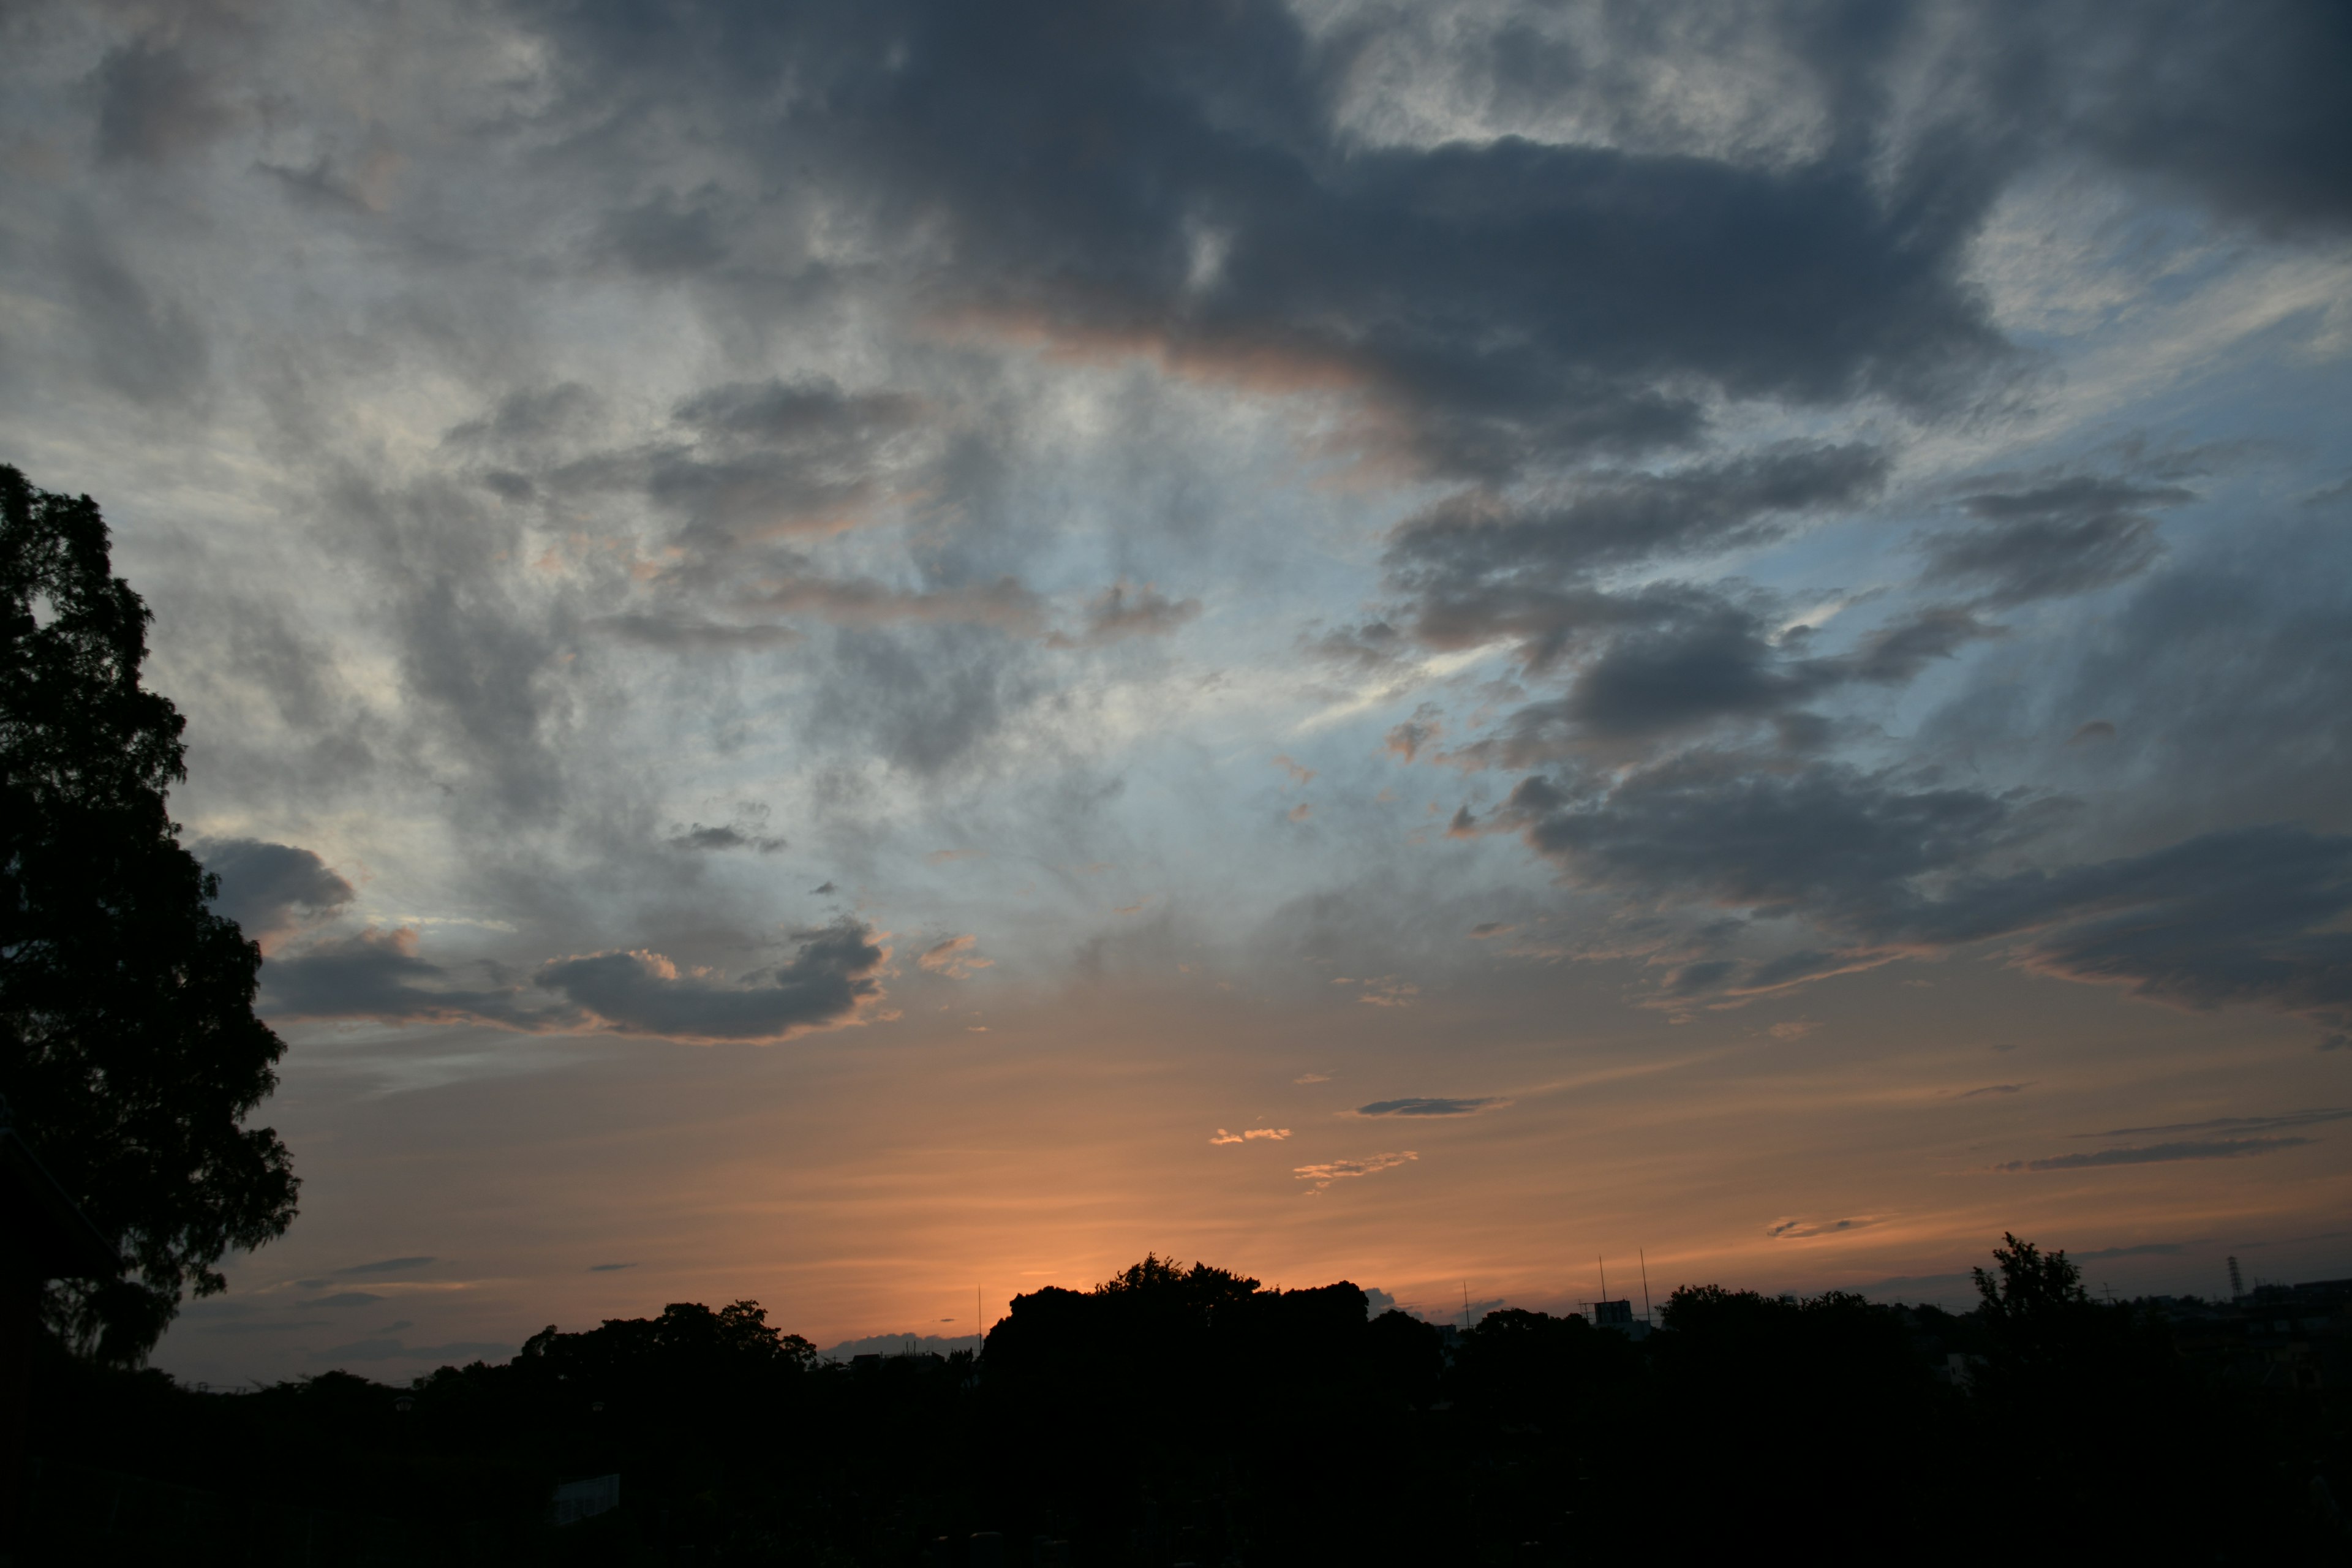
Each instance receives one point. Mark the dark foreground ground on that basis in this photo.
(1189, 1417)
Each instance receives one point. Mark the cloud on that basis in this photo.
(2235, 1123)
(697, 836)
(748, 831)
(1331, 1170)
(1486, 929)
(1997, 1088)
(1312, 1078)
(154, 105)
(2145, 1250)
(2159, 1153)
(1803, 1230)
(1429, 1107)
(380, 973)
(1123, 610)
(2064, 536)
(2245, 916)
(955, 959)
(387, 1266)
(269, 890)
(829, 982)
(608, 1268)
(342, 1299)
(1251, 1134)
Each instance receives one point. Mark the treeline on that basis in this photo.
(1188, 1414)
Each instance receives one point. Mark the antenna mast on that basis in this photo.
(1645, 1285)
(1465, 1306)
(1604, 1275)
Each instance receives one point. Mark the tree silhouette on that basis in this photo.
(129, 1046)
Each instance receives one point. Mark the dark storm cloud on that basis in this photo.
(827, 982)
(154, 104)
(271, 888)
(1170, 183)
(2159, 1154)
(2065, 537)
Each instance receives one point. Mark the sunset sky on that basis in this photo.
(874, 655)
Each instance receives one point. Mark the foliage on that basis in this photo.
(128, 1047)
(1282, 1428)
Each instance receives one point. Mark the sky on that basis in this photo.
(874, 656)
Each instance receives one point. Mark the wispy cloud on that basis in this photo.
(1331, 1170)
(2234, 1124)
(2158, 1154)
(1431, 1106)
(1250, 1134)
(954, 958)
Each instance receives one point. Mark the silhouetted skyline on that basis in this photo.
(848, 652)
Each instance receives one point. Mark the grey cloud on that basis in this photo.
(925, 697)
(2159, 1154)
(2249, 916)
(1383, 269)
(2066, 536)
(1608, 519)
(697, 836)
(146, 347)
(2145, 1250)
(829, 981)
(342, 1299)
(1428, 1107)
(267, 889)
(2235, 1123)
(529, 418)
(387, 1266)
(2241, 104)
(1996, 1088)
(380, 974)
(1123, 610)
(667, 235)
(688, 634)
(154, 104)
(608, 1268)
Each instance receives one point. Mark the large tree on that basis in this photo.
(129, 1048)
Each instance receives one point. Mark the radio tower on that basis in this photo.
(2237, 1286)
